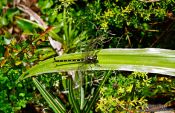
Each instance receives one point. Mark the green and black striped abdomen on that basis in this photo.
(86, 60)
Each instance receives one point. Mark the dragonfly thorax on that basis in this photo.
(91, 59)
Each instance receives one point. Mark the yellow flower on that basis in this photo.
(108, 14)
(104, 25)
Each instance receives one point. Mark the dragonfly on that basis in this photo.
(87, 60)
(89, 56)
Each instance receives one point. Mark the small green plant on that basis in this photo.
(17, 54)
(125, 93)
(75, 102)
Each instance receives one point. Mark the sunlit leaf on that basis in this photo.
(25, 26)
(3, 21)
(149, 60)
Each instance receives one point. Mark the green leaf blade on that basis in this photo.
(151, 60)
(57, 106)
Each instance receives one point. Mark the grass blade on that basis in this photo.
(95, 96)
(56, 105)
(71, 96)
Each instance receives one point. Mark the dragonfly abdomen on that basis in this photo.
(86, 60)
(69, 60)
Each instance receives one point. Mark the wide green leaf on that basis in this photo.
(151, 60)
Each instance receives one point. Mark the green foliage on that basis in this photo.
(131, 93)
(17, 54)
(26, 27)
(73, 96)
(65, 25)
(125, 93)
(54, 103)
(13, 96)
(132, 24)
(7, 17)
(130, 21)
